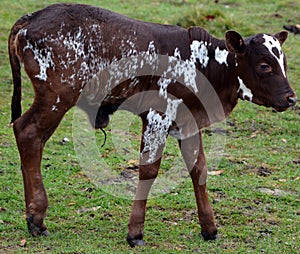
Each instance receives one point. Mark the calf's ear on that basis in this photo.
(235, 42)
(281, 36)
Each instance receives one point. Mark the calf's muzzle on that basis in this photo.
(292, 100)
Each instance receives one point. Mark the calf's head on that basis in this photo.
(261, 69)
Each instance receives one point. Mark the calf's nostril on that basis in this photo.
(292, 100)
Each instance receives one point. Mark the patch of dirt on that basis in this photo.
(296, 161)
(11, 249)
(218, 196)
(189, 216)
(128, 175)
(6, 144)
(228, 246)
(273, 222)
(265, 233)
(263, 171)
(297, 109)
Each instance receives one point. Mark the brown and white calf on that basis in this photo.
(97, 59)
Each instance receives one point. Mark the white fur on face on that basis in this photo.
(270, 43)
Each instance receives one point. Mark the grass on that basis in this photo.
(256, 199)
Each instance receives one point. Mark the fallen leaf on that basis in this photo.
(284, 140)
(23, 243)
(231, 147)
(133, 162)
(216, 173)
(254, 134)
(178, 248)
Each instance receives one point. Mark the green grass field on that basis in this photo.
(255, 200)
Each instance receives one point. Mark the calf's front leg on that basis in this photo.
(147, 177)
(194, 157)
(147, 174)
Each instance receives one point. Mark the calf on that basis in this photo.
(97, 59)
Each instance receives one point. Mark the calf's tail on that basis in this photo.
(16, 109)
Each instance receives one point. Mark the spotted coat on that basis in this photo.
(181, 80)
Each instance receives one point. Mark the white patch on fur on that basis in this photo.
(43, 57)
(270, 43)
(177, 69)
(22, 32)
(163, 84)
(245, 90)
(75, 43)
(199, 51)
(157, 129)
(177, 54)
(221, 56)
(54, 108)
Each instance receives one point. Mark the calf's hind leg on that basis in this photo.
(32, 130)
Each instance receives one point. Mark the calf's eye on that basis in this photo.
(264, 67)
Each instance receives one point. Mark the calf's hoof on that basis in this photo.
(210, 235)
(36, 230)
(135, 242)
